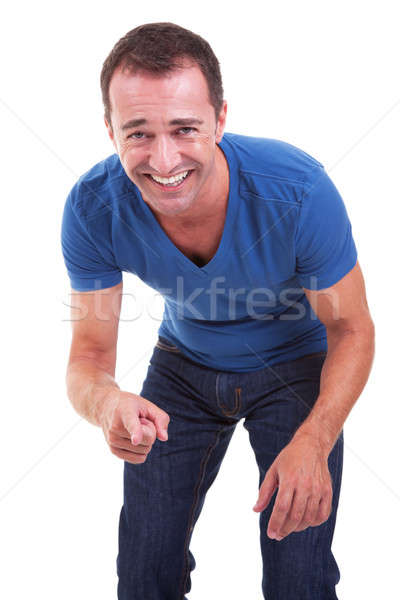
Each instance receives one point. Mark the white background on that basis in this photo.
(320, 75)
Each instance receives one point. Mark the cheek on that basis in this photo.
(201, 145)
(201, 139)
(131, 156)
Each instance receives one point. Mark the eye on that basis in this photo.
(186, 129)
(137, 135)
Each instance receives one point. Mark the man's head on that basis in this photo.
(158, 48)
(164, 110)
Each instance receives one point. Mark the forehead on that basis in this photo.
(136, 93)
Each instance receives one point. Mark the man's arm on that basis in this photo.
(92, 359)
(343, 309)
(130, 422)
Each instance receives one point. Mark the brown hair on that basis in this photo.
(159, 48)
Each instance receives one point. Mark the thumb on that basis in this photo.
(266, 490)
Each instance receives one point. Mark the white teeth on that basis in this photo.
(170, 180)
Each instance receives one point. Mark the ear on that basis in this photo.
(110, 132)
(219, 132)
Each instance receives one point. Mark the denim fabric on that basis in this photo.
(163, 496)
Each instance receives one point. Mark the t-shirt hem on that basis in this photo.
(95, 283)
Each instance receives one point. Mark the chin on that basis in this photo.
(171, 207)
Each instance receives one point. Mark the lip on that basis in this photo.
(168, 189)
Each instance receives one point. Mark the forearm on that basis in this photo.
(344, 374)
(88, 385)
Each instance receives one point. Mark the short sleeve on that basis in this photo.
(325, 248)
(87, 269)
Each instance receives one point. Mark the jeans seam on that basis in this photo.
(224, 409)
(192, 511)
(227, 411)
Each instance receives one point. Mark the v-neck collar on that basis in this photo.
(163, 241)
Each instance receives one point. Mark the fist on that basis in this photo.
(131, 425)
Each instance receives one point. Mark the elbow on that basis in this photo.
(362, 332)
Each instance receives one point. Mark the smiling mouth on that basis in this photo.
(171, 182)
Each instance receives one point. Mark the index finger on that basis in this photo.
(149, 431)
(132, 424)
(282, 505)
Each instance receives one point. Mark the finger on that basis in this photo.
(295, 515)
(160, 419)
(149, 431)
(281, 509)
(310, 513)
(324, 510)
(131, 457)
(140, 450)
(147, 427)
(266, 490)
(126, 444)
(132, 424)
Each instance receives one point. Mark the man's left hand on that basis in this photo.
(304, 498)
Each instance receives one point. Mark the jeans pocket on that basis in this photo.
(165, 344)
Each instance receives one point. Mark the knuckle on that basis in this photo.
(308, 486)
(325, 514)
(305, 518)
(282, 507)
(316, 496)
(297, 515)
(280, 510)
(322, 517)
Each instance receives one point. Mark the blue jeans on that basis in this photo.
(163, 496)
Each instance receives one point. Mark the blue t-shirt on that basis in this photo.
(286, 228)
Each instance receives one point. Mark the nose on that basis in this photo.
(164, 155)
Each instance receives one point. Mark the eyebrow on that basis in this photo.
(186, 122)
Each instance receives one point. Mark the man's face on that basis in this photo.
(163, 127)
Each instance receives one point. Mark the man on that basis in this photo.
(266, 318)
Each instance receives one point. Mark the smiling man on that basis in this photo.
(265, 319)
